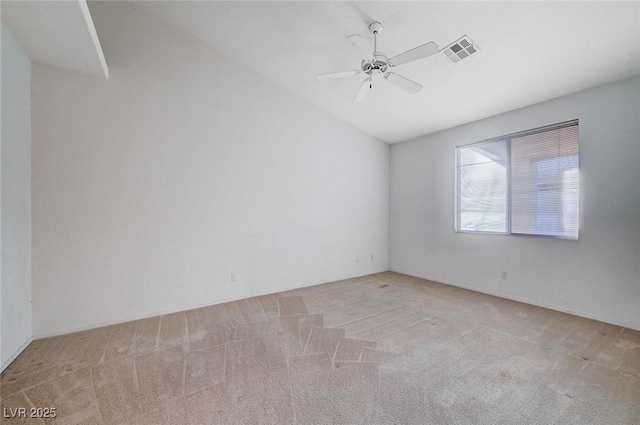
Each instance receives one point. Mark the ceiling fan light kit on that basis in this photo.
(376, 65)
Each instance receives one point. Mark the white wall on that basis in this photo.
(15, 165)
(151, 188)
(597, 276)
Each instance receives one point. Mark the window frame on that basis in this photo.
(507, 138)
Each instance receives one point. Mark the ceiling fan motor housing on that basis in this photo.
(378, 64)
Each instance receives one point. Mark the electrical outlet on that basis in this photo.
(504, 275)
(371, 257)
(357, 259)
(234, 277)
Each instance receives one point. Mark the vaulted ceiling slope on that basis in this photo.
(57, 33)
(530, 52)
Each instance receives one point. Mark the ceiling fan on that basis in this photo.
(377, 65)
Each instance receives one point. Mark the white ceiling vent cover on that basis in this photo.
(460, 49)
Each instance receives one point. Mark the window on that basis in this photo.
(521, 184)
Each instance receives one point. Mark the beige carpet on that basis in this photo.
(381, 349)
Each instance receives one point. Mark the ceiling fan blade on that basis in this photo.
(419, 52)
(402, 82)
(363, 47)
(365, 88)
(340, 74)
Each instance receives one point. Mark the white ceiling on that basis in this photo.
(531, 52)
(57, 33)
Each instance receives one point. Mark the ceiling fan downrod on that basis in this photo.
(375, 28)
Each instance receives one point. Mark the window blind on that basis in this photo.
(522, 184)
(544, 183)
(482, 175)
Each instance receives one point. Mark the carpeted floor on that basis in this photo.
(381, 349)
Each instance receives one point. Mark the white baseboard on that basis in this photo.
(191, 307)
(15, 355)
(633, 326)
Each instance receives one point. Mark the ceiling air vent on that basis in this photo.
(460, 49)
